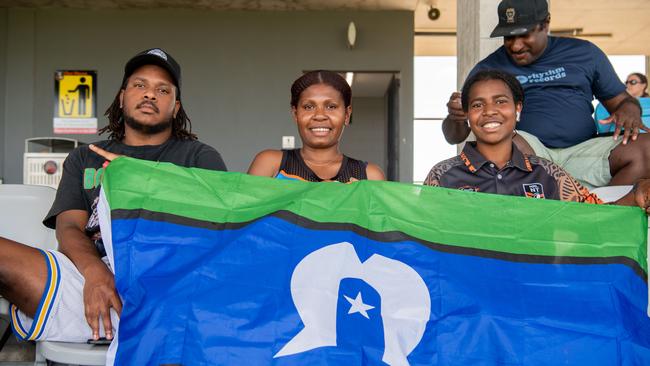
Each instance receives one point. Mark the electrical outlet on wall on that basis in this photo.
(288, 142)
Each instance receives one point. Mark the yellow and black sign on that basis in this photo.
(75, 102)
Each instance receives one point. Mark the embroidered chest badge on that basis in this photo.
(534, 190)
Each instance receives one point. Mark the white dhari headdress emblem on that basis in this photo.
(405, 300)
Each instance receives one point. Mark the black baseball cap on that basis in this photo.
(518, 17)
(158, 57)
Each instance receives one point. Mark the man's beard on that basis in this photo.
(147, 129)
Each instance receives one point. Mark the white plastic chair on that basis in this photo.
(22, 208)
(611, 193)
(70, 353)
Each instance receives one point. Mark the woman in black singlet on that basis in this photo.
(320, 106)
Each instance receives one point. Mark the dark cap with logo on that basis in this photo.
(518, 17)
(158, 57)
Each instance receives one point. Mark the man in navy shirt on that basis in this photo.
(560, 77)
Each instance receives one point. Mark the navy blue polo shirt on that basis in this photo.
(559, 87)
(523, 175)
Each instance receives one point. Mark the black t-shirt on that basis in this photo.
(83, 171)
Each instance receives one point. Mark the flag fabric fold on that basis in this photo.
(228, 269)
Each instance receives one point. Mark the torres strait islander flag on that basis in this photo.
(222, 268)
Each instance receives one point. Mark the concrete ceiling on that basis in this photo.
(285, 5)
(628, 21)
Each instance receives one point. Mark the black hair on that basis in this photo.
(644, 80)
(490, 74)
(330, 78)
(545, 22)
(181, 124)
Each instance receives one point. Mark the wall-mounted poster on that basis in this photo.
(75, 102)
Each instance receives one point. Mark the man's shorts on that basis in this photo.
(588, 162)
(60, 314)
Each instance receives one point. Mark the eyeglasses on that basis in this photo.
(632, 82)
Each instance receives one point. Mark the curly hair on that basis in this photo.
(181, 124)
(490, 74)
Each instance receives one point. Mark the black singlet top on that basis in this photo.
(294, 167)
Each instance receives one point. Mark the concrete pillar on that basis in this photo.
(475, 22)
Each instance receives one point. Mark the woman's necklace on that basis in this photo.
(337, 159)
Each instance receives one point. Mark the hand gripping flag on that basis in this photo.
(227, 269)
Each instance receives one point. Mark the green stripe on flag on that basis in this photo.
(484, 221)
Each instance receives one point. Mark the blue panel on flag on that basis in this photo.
(275, 293)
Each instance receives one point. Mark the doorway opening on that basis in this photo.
(373, 132)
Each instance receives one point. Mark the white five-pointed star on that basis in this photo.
(358, 306)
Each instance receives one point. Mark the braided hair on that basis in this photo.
(181, 124)
(326, 77)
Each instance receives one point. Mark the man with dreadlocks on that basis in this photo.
(70, 295)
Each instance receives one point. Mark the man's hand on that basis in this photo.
(455, 127)
(638, 196)
(99, 297)
(455, 109)
(627, 117)
(641, 193)
(103, 153)
(99, 293)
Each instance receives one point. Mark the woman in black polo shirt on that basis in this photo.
(493, 100)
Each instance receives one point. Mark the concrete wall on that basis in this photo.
(3, 53)
(19, 84)
(237, 68)
(366, 138)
